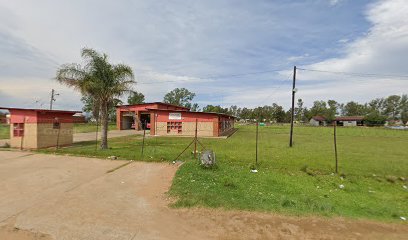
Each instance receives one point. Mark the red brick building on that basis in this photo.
(40, 128)
(167, 119)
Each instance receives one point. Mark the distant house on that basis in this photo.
(350, 121)
(347, 121)
(318, 121)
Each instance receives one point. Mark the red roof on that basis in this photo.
(40, 110)
(159, 103)
(169, 110)
(350, 118)
(319, 118)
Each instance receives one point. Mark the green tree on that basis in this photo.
(332, 111)
(215, 109)
(354, 109)
(392, 106)
(90, 106)
(100, 80)
(180, 97)
(279, 114)
(299, 110)
(375, 119)
(195, 107)
(319, 108)
(404, 108)
(135, 98)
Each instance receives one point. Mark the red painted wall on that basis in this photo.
(31, 116)
(163, 116)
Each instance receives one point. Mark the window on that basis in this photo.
(18, 129)
(56, 125)
(174, 127)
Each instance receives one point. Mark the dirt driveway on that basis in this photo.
(90, 136)
(58, 197)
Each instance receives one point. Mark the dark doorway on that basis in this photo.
(145, 120)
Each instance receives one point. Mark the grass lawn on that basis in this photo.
(4, 131)
(373, 163)
(90, 127)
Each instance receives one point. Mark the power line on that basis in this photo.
(355, 74)
(214, 77)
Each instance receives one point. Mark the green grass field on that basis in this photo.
(4, 131)
(90, 127)
(373, 167)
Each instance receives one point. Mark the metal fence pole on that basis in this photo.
(256, 145)
(144, 135)
(335, 144)
(195, 140)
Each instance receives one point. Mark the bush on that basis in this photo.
(375, 119)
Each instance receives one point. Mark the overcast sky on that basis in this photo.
(229, 52)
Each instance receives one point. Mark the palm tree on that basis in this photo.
(100, 80)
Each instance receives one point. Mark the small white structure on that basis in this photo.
(350, 121)
(318, 121)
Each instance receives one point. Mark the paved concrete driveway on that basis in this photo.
(46, 197)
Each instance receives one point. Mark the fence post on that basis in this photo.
(144, 135)
(195, 140)
(335, 144)
(256, 145)
(58, 134)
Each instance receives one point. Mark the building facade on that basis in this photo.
(39, 128)
(346, 121)
(169, 120)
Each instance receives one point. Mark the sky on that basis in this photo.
(228, 52)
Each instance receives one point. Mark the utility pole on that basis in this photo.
(53, 94)
(293, 107)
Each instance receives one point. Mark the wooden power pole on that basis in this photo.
(293, 107)
(53, 94)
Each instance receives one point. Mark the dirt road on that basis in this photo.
(90, 136)
(58, 197)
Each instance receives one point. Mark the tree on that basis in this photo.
(279, 114)
(332, 111)
(215, 109)
(90, 106)
(99, 80)
(404, 108)
(319, 108)
(392, 106)
(135, 98)
(195, 107)
(354, 109)
(375, 119)
(179, 97)
(299, 110)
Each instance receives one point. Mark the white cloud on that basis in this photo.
(383, 50)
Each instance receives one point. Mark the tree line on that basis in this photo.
(394, 107)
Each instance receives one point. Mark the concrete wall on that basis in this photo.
(28, 141)
(349, 123)
(204, 129)
(315, 123)
(47, 136)
(42, 135)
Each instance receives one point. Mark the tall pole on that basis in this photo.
(293, 107)
(52, 98)
(335, 145)
(256, 147)
(144, 135)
